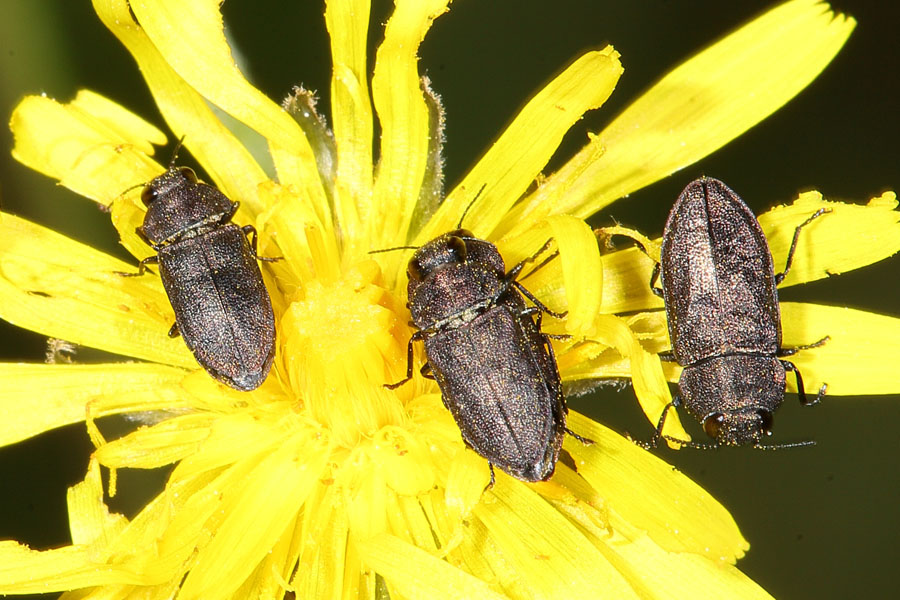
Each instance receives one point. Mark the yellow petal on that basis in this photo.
(676, 513)
(413, 573)
(348, 25)
(665, 574)
(231, 438)
(513, 162)
(159, 445)
(579, 262)
(256, 514)
(91, 145)
(63, 289)
(703, 104)
(552, 557)
(325, 556)
(189, 35)
(227, 161)
(848, 237)
(650, 385)
(90, 521)
(58, 395)
(860, 356)
(401, 108)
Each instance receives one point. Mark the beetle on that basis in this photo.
(495, 367)
(208, 266)
(719, 288)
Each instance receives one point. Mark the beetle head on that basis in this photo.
(172, 179)
(449, 249)
(739, 427)
(734, 396)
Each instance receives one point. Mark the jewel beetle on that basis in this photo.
(719, 288)
(495, 367)
(208, 266)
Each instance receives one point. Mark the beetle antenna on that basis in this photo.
(134, 187)
(175, 152)
(394, 248)
(465, 212)
(783, 446)
(692, 444)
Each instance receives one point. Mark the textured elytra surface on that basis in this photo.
(223, 310)
(211, 275)
(717, 277)
(488, 355)
(503, 388)
(724, 321)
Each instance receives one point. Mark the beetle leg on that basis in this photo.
(667, 356)
(493, 479)
(142, 267)
(692, 444)
(580, 438)
(657, 434)
(538, 316)
(250, 230)
(540, 266)
(425, 372)
(140, 232)
(514, 272)
(173, 330)
(538, 303)
(654, 277)
(790, 257)
(419, 335)
(795, 349)
(789, 366)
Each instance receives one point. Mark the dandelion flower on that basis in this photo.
(322, 482)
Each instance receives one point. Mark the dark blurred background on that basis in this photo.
(823, 521)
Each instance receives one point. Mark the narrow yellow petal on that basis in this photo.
(90, 521)
(859, 358)
(848, 237)
(675, 575)
(162, 444)
(231, 438)
(650, 385)
(58, 395)
(351, 108)
(92, 146)
(677, 514)
(324, 550)
(255, 517)
(414, 573)
(553, 558)
(513, 162)
(401, 108)
(26, 571)
(64, 289)
(227, 161)
(626, 282)
(189, 35)
(703, 104)
(579, 259)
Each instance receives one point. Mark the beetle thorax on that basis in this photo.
(182, 208)
(734, 396)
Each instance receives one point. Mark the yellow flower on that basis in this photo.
(322, 482)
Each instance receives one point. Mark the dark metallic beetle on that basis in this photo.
(496, 369)
(209, 271)
(719, 288)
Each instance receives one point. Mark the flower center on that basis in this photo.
(342, 342)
